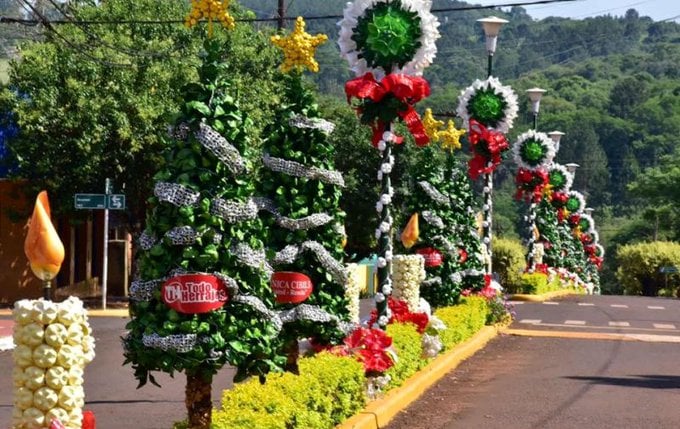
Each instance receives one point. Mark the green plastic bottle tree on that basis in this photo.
(305, 225)
(203, 220)
(441, 194)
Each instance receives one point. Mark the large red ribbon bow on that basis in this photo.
(531, 183)
(487, 145)
(406, 89)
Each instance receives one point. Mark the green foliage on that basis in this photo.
(407, 345)
(299, 197)
(462, 321)
(456, 237)
(537, 284)
(328, 390)
(93, 101)
(640, 265)
(508, 263)
(235, 333)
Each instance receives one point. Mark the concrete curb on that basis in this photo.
(542, 297)
(114, 312)
(378, 413)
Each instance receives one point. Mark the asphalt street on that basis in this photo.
(586, 362)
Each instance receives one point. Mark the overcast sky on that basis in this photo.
(658, 10)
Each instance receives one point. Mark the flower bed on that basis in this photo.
(332, 388)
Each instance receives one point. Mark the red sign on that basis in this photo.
(194, 293)
(433, 257)
(291, 287)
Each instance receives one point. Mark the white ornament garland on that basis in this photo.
(408, 274)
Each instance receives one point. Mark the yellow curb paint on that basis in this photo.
(117, 312)
(543, 297)
(379, 412)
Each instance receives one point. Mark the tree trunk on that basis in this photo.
(199, 400)
(292, 350)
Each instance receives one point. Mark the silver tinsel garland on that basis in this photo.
(300, 121)
(434, 194)
(312, 221)
(250, 257)
(178, 343)
(433, 219)
(178, 195)
(287, 255)
(179, 132)
(314, 314)
(292, 168)
(146, 240)
(233, 211)
(143, 291)
(221, 148)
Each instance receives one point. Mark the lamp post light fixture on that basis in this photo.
(535, 95)
(492, 26)
(556, 136)
(571, 167)
(589, 211)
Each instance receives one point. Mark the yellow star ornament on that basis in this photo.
(450, 137)
(431, 125)
(299, 48)
(210, 10)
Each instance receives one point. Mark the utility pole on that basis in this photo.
(282, 15)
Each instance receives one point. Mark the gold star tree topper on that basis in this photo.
(299, 48)
(210, 10)
(450, 137)
(431, 125)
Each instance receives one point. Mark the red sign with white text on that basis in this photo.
(194, 293)
(291, 287)
(433, 257)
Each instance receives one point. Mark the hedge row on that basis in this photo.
(331, 388)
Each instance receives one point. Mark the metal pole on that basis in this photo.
(488, 199)
(47, 290)
(282, 13)
(105, 268)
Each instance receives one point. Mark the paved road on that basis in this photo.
(581, 362)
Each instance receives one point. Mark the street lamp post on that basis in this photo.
(535, 95)
(571, 167)
(492, 26)
(556, 136)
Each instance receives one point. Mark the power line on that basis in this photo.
(279, 18)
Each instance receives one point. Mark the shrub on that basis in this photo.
(328, 390)
(640, 267)
(407, 345)
(462, 321)
(508, 263)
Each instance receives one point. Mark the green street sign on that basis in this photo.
(90, 201)
(115, 201)
(668, 270)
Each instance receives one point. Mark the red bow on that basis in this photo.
(487, 145)
(406, 89)
(530, 183)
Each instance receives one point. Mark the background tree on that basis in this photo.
(92, 101)
(203, 219)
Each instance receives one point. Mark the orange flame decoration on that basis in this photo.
(410, 235)
(43, 247)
